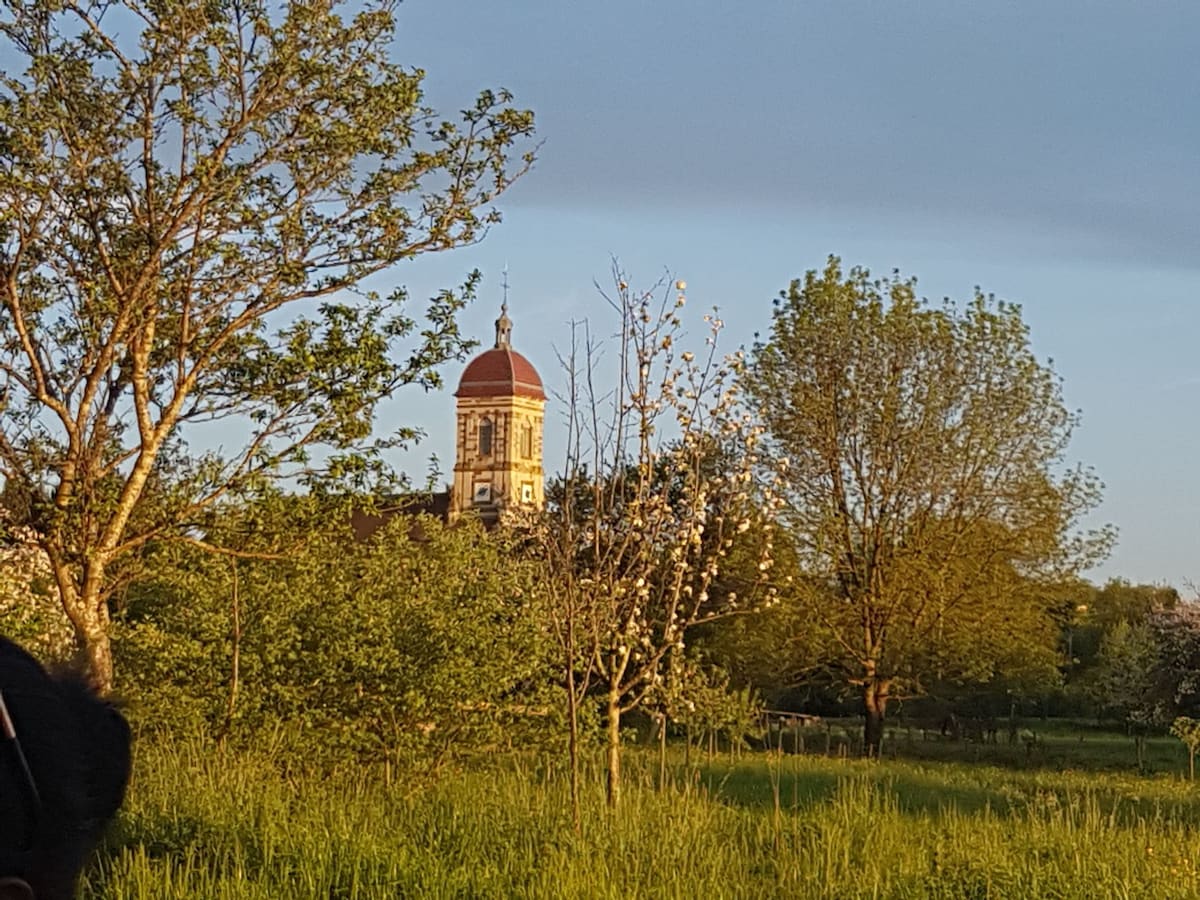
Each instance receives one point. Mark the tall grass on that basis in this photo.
(201, 824)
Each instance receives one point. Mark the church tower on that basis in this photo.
(498, 442)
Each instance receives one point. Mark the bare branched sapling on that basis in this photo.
(659, 479)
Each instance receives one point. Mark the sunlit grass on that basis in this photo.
(200, 824)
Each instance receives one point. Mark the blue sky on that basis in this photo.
(1046, 152)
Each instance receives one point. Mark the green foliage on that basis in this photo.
(763, 648)
(1141, 654)
(1188, 731)
(193, 198)
(1122, 680)
(701, 699)
(418, 646)
(926, 474)
(1088, 614)
(760, 650)
(1121, 601)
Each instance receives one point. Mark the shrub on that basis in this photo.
(417, 646)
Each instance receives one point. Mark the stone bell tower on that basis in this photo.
(498, 440)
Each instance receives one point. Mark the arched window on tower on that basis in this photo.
(527, 441)
(485, 437)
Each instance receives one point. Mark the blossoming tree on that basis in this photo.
(658, 480)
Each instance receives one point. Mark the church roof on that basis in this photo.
(500, 372)
(364, 524)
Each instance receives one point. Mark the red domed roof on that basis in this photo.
(500, 372)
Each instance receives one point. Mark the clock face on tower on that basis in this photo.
(482, 492)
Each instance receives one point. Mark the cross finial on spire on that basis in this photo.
(504, 323)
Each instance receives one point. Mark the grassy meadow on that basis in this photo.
(201, 823)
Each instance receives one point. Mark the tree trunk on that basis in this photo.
(97, 651)
(573, 727)
(613, 783)
(662, 753)
(86, 607)
(235, 663)
(573, 753)
(875, 700)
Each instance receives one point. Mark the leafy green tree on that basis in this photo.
(421, 645)
(926, 473)
(1027, 670)
(702, 700)
(194, 198)
(777, 651)
(203, 641)
(1090, 616)
(1121, 601)
(1122, 679)
(1188, 731)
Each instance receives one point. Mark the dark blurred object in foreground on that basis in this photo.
(64, 764)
